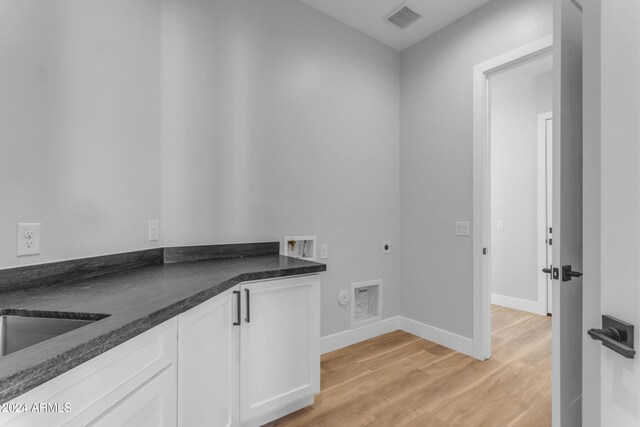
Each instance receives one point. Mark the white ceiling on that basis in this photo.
(369, 16)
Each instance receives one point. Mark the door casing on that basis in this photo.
(482, 187)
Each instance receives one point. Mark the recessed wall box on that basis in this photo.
(303, 247)
(366, 303)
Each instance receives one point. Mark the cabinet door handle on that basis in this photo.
(237, 322)
(247, 319)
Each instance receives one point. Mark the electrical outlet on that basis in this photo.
(386, 247)
(324, 251)
(462, 229)
(28, 239)
(343, 298)
(154, 230)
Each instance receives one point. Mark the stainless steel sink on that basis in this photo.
(19, 331)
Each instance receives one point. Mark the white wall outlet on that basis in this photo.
(500, 225)
(154, 230)
(386, 247)
(324, 251)
(28, 239)
(343, 298)
(462, 228)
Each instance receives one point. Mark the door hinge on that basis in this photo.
(484, 251)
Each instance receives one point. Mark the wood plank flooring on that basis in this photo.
(399, 379)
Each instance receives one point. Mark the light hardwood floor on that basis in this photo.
(399, 379)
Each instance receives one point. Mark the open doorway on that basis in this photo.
(532, 59)
(521, 232)
(513, 97)
(512, 213)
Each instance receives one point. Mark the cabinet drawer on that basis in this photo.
(91, 389)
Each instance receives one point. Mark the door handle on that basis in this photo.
(237, 322)
(552, 271)
(615, 335)
(567, 273)
(247, 319)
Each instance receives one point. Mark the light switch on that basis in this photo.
(324, 251)
(462, 229)
(154, 230)
(500, 225)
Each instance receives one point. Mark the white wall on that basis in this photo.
(231, 121)
(281, 121)
(518, 95)
(274, 119)
(620, 206)
(80, 120)
(436, 155)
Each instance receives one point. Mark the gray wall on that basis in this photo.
(281, 121)
(229, 121)
(516, 101)
(436, 155)
(80, 120)
(267, 119)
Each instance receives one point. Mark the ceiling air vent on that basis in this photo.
(403, 17)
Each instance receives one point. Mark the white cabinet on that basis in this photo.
(279, 342)
(259, 370)
(208, 363)
(133, 384)
(245, 357)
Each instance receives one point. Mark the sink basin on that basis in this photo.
(20, 329)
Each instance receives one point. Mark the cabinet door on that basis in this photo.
(153, 405)
(208, 363)
(280, 344)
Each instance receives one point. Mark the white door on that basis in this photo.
(208, 363)
(548, 134)
(619, 41)
(567, 328)
(279, 342)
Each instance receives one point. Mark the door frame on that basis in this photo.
(482, 187)
(543, 209)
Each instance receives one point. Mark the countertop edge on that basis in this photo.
(25, 380)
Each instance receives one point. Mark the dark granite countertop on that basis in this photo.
(135, 300)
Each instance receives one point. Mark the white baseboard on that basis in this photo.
(352, 336)
(439, 336)
(518, 304)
